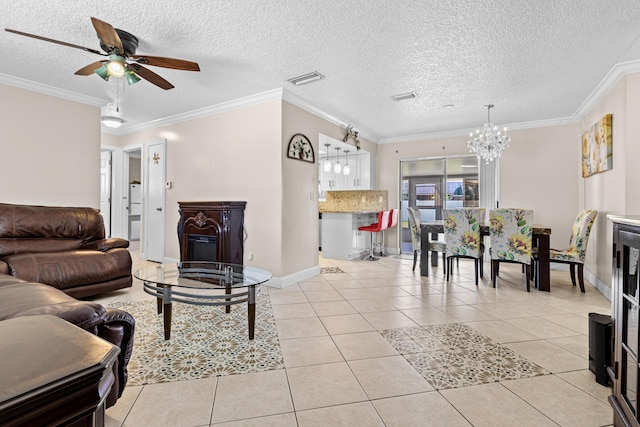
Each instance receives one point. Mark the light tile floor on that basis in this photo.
(340, 371)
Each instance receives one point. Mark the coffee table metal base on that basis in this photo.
(166, 295)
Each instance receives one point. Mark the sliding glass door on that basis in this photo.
(434, 184)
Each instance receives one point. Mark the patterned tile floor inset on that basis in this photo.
(455, 355)
(330, 270)
(205, 342)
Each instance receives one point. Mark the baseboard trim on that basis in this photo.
(598, 284)
(292, 279)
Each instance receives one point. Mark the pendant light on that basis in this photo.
(346, 170)
(337, 168)
(327, 162)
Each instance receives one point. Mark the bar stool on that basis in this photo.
(381, 225)
(393, 220)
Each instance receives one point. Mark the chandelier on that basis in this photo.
(489, 142)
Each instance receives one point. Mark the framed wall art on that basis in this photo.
(597, 144)
(300, 148)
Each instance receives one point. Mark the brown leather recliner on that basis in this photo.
(64, 247)
(20, 298)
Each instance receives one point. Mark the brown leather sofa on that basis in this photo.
(21, 298)
(64, 247)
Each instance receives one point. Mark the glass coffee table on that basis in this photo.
(203, 283)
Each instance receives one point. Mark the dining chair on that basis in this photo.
(510, 232)
(462, 236)
(380, 225)
(575, 254)
(416, 236)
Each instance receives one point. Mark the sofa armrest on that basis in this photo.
(118, 328)
(104, 245)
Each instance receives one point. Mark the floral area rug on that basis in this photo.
(205, 342)
(455, 355)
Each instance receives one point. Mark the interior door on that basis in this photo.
(154, 215)
(105, 190)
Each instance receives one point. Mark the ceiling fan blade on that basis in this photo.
(89, 69)
(150, 76)
(55, 41)
(159, 61)
(107, 34)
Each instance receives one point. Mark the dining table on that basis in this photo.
(540, 240)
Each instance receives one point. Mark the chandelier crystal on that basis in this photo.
(489, 142)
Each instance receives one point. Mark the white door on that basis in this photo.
(155, 210)
(105, 190)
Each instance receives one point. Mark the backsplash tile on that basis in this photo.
(355, 201)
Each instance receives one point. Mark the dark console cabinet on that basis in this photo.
(53, 373)
(211, 231)
(625, 301)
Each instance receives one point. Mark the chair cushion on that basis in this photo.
(565, 256)
(438, 246)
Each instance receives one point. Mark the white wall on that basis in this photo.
(50, 150)
(539, 171)
(613, 191)
(229, 156)
(300, 188)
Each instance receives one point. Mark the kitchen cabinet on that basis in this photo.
(625, 314)
(362, 176)
(341, 238)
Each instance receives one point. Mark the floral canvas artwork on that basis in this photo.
(596, 147)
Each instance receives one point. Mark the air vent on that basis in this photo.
(306, 78)
(404, 96)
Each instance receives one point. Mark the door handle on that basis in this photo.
(158, 209)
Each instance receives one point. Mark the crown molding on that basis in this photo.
(311, 108)
(466, 132)
(612, 78)
(259, 98)
(50, 90)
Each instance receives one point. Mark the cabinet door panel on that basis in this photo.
(628, 318)
(630, 381)
(630, 324)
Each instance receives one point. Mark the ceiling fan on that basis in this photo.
(120, 48)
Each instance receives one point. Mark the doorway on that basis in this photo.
(154, 195)
(105, 190)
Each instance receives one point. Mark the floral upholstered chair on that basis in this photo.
(416, 236)
(575, 253)
(462, 236)
(511, 233)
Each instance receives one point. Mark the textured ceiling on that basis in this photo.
(535, 59)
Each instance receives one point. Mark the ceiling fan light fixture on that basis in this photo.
(116, 66)
(131, 77)
(103, 72)
(112, 122)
